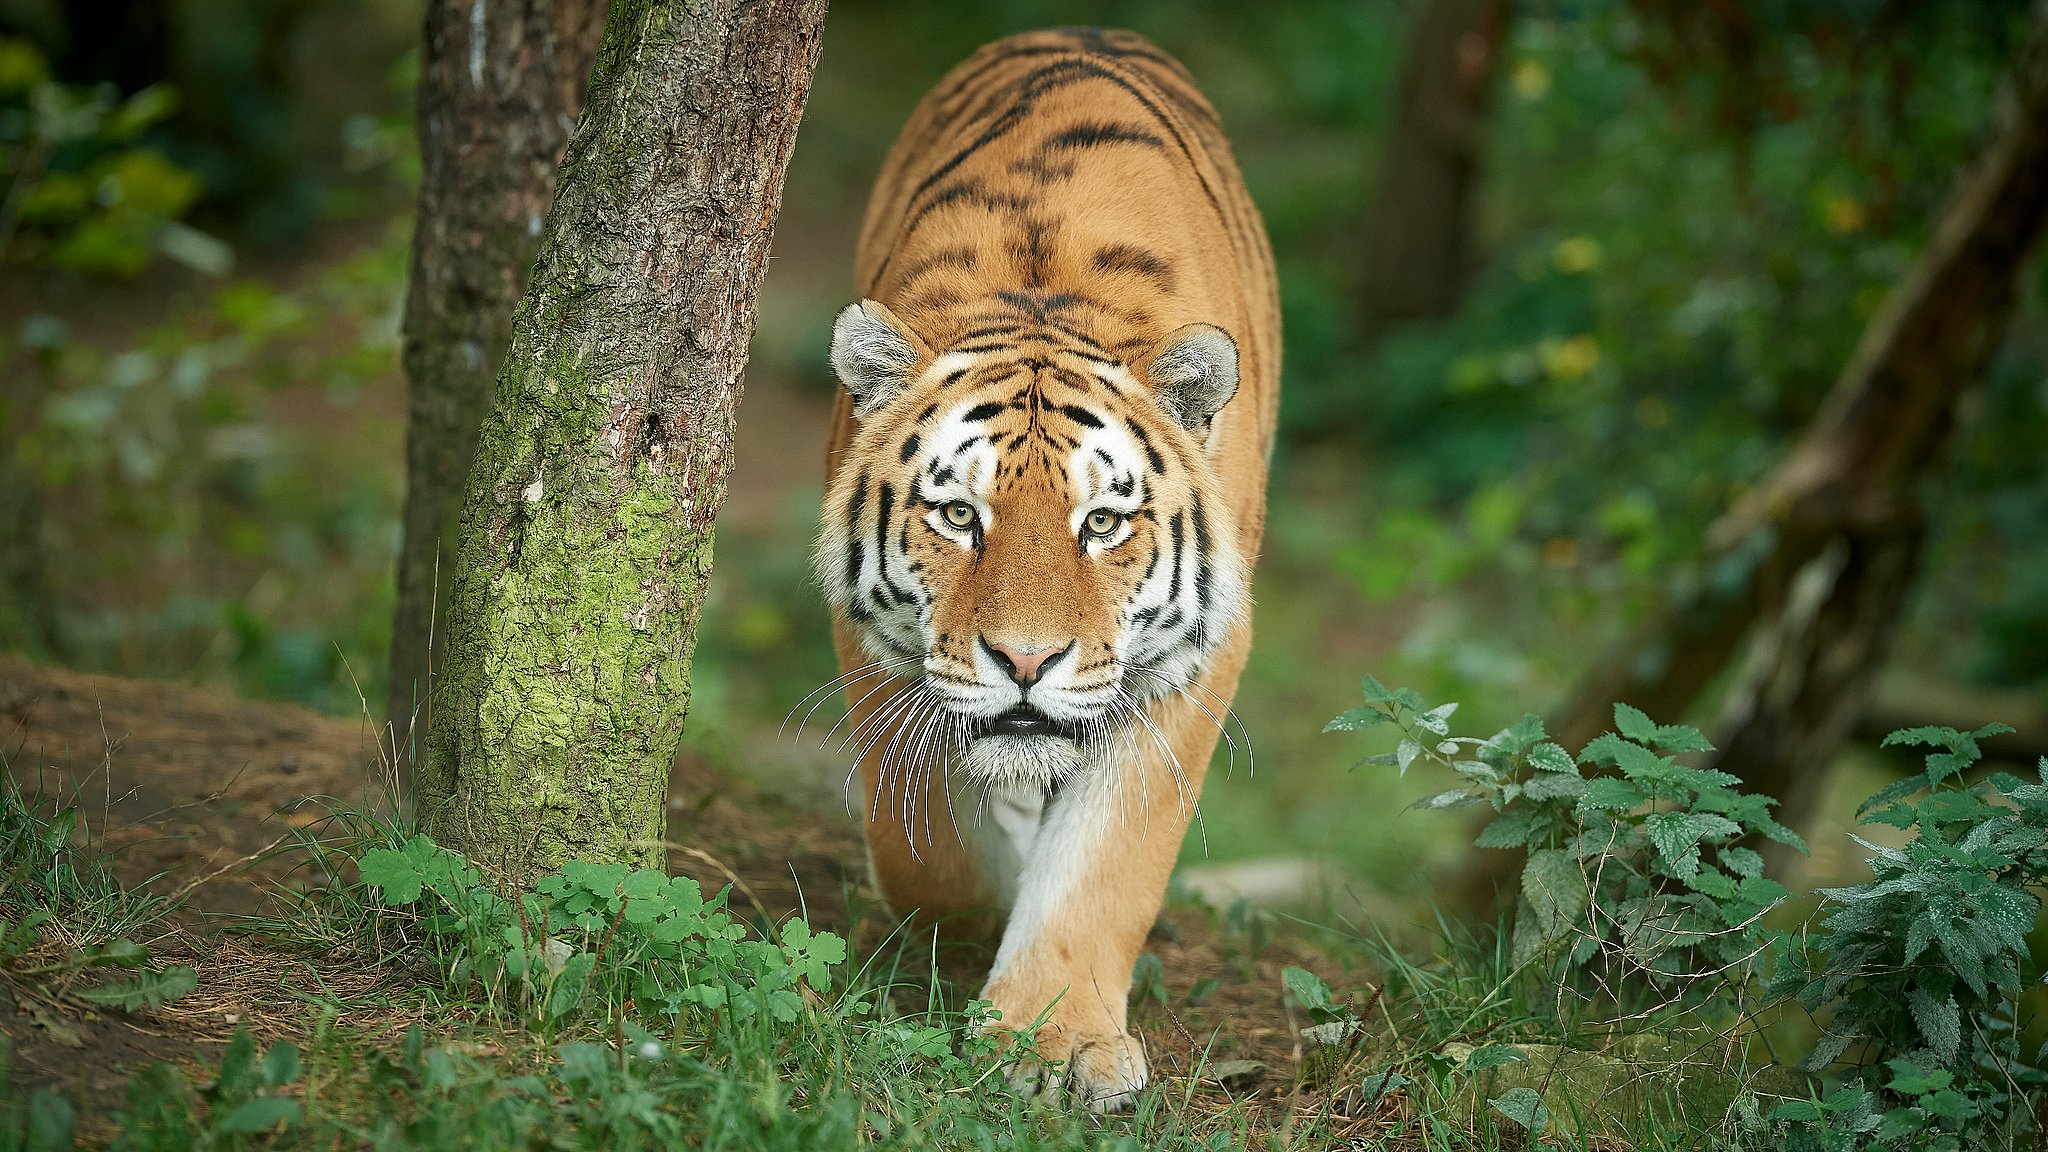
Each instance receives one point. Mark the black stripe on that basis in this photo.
(1085, 136)
(884, 503)
(910, 444)
(984, 411)
(855, 505)
(958, 256)
(1152, 455)
(1173, 577)
(1131, 258)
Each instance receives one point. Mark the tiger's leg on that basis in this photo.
(1093, 880)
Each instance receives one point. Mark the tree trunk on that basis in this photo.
(500, 87)
(586, 533)
(1817, 562)
(1418, 254)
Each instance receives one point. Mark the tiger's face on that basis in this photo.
(1033, 527)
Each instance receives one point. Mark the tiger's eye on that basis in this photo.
(1102, 522)
(959, 513)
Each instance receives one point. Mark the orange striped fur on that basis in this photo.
(1046, 486)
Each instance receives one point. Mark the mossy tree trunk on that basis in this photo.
(586, 532)
(500, 87)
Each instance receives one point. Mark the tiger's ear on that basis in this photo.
(874, 354)
(1194, 371)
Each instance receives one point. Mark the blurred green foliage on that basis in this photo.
(206, 509)
(1681, 234)
(82, 192)
(284, 107)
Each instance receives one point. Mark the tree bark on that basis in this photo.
(586, 533)
(1418, 256)
(1817, 563)
(500, 87)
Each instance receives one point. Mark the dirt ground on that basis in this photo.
(201, 798)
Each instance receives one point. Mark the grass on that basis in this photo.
(392, 1040)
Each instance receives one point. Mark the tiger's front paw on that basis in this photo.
(1104, 1071)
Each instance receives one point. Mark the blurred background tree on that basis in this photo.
(1663, 228)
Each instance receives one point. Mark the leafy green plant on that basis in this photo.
(1640, 863)
(1918, 970)
(605, 935)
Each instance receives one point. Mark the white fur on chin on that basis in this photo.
(1039, 761)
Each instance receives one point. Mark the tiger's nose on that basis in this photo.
(1024, 665)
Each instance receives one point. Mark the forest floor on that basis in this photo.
(208, 802)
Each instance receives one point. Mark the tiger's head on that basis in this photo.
(1032, 524)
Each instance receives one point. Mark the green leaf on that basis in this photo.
(1741, 861)
(236, 1080)
(567, 993)
(1607, 794)
(1677, 837)
(1555, 886)
(1909, 1079)
(1524, 1107)
(1375, 691)
(51, 1124)
(1632, 723)
(1554, 786)
(1455, 798)
(1548, 757)
(1925, 736)
(1514, 828)
(151, 990)
(1308, 988)
(1896, 790)
(259, 1115)
(813, 954)
(280, 1065)
(1406, 754)
(1680, 738)
(1526, 731)
(395, 874)
(1940, 1022)
(1378, 1084)
(1798, 1112)
(1356, 720)
(1437, 719)
(1494, 1056)
(119, 954)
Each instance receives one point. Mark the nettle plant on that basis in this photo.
(600, 936)
(1918, 971)
(1635, 861)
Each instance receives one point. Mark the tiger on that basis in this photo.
(1046, 480)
